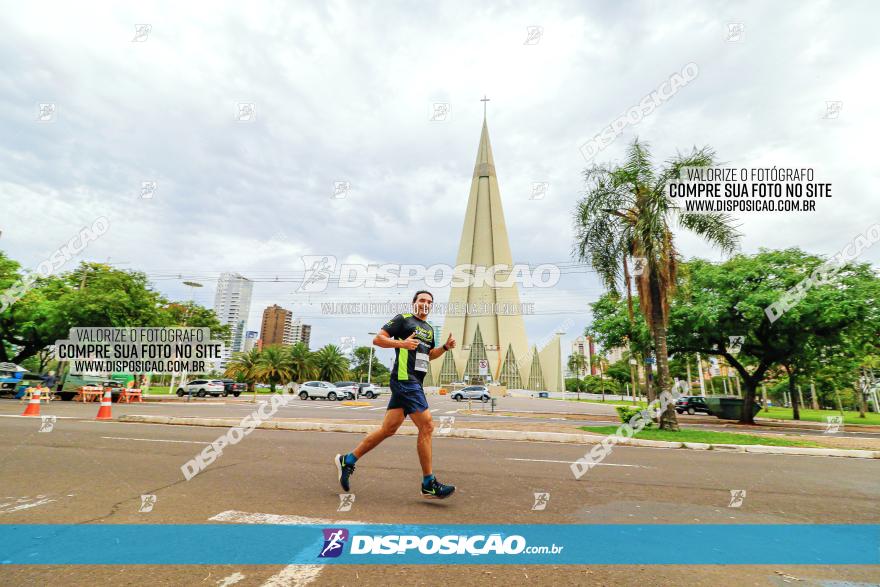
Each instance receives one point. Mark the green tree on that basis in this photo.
(302, 363)
(721, 300)
(577, 363)
(626, 212)
(274, 366)
(330, 363)
(91, 295)
(245, 367)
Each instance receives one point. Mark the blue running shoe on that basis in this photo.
(436, 490)
(345, 471)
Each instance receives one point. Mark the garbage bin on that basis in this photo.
(728, 408)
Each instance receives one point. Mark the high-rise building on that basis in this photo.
(300, 332)
(251, 340)
(497, 335)
(277, 326)
(232, 304)
(306, 335)
(583, 345)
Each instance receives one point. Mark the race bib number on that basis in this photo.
(421, 362)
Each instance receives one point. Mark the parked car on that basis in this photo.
(691, 404)
(203, 387)
(348, 389)
(321, 389)
(368, 390)
(480, 392)
(233, 387)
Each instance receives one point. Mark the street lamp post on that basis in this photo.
(192, 296)
(370, 363)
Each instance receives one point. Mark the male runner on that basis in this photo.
(413, 342)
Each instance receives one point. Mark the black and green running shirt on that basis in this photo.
(410, 365)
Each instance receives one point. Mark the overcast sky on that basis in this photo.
(344, 91)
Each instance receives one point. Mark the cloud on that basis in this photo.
(343, 91)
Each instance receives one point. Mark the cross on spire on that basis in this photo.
(484, 99)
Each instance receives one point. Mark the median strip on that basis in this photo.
(511, 435)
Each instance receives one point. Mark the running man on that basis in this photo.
(414, 346)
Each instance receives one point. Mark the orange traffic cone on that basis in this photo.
(104, 410)
(33, 407)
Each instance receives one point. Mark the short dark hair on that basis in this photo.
(421, 291)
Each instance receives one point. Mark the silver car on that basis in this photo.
(480, 392)
(321, 389)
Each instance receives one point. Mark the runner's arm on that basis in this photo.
(384, 340)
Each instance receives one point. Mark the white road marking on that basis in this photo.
(572, 462)
(374, 409)
(291, 575)
(230, 580)
(26, 506)
(294, 576)
(153, 440)
(452, 412)
(37, 418)
(239, 517)
(360, 408)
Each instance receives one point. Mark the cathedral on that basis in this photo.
(491, 343)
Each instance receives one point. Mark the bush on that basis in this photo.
(627, 413)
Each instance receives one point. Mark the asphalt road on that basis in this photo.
(86, 471)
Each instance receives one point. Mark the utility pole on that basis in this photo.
(700, 375)
(370, 367)
(687, 363)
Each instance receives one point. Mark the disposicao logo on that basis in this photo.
(334, 542)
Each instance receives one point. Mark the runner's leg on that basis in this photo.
(393, 419)
(425, 423)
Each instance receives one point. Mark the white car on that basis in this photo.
(321, 389)
(480, 392)
(368, 390)
(202, 387)
(348, 389)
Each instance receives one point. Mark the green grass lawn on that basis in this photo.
(871, 418)
(706, 436)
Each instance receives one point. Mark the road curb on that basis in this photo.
(514, 435)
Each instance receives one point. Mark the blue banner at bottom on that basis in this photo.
(533, 544)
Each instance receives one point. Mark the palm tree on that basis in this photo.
(301, 363)
(576, 363)
(626, 213)
(330, 363)
(274, 366)
(245, 366)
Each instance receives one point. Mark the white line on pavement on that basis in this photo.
(452, 412)
(153, 440)
(572, 462)
(35, 418)
(379, 408)
(26, 506)
(291, 575)
(239, 517)
(230, 580)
